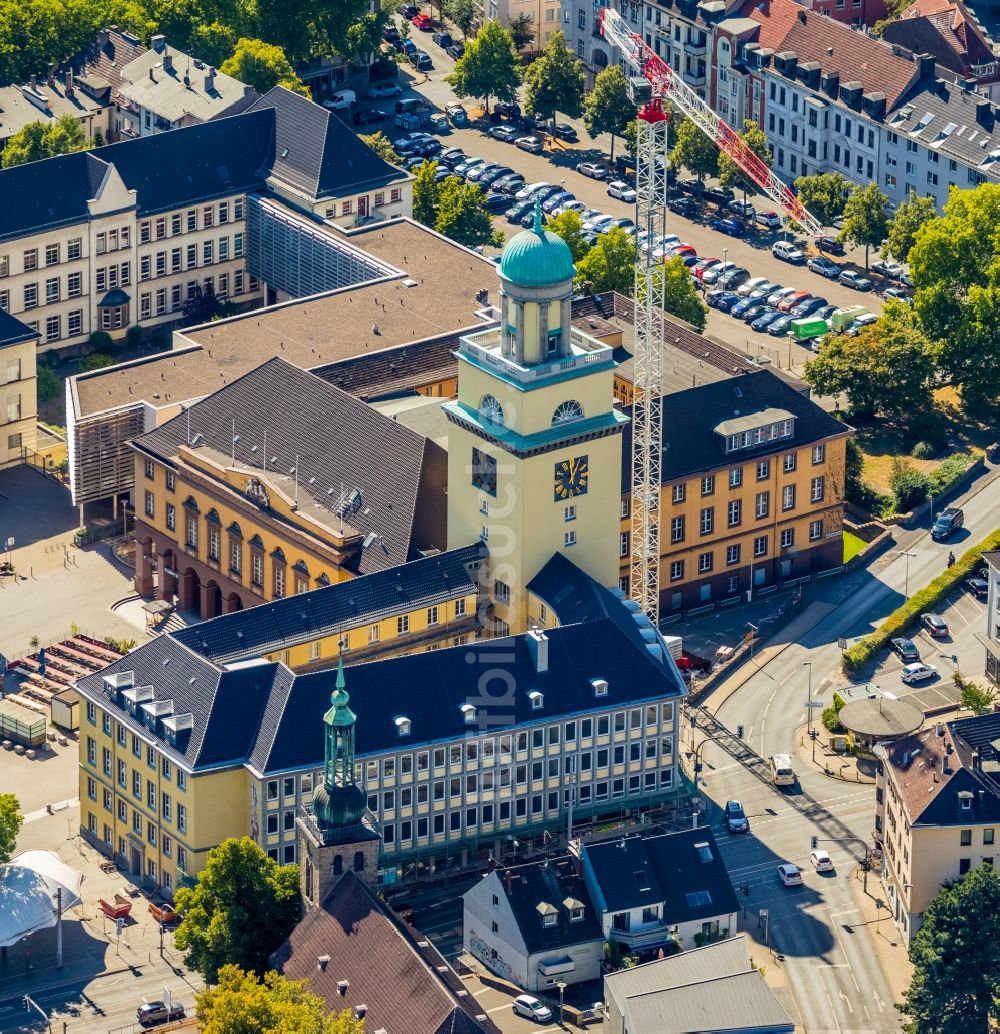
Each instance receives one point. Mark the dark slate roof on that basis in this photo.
(13, 331)
(109, 52)
(197, 163)
(405, 983)
(310, 615)
(359, 448)
(551, 881)
(690, 444)
(669, 866)
(226, 704)
(292, 733)
(316, 152)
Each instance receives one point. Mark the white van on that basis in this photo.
(341, 100)
(781, 770)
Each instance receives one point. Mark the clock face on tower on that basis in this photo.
(484, 472)
(571, 477)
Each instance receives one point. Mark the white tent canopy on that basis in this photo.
(28, 893)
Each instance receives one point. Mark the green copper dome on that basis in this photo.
(338, 801)
(537, 257)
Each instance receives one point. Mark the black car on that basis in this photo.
(830, 245)
(905, 650)
(720, 195)
(452, 156)
(721, 299)
(409, 11)
(531, 124)
(369, 117)
(564, 131)
(442, 39)
(429, 148)
(390, 33)
(948, 521)
(625, 164)
(489, 178)
(691, 186)
(507, 109)
(514, 214)
(809, 307)
(456, 50)
(497, 203)
(978, 587)
(682, 205)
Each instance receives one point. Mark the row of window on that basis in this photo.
(120, 731)
(166, 843)
(762, 470)
(347, 206)
(193, 220)
(52, 254)
(159, 302)
(191, 256)
(706, 560)
(159, 803)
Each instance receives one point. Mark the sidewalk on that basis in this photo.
(846, 767)
(886, 940)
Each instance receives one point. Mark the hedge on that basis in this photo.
(925, 600)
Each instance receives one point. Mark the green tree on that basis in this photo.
(382, 146)
(96, 361)
(888, 367)
(242, 1002)
(242, 907)
(463, 13)
(554, 81)
(489, 67)
(824, 195)
(64, 136)
(608, 107)
(680, 295)
(974, 697)
(909, 218)
(461, 215)
(569, 226)
(610, 263)
(522, 31)
(213, 43)
(729, 172)
(48, 384)
(296, 27)
(694, 151)
(630, 134)
(10, 825)
(426, 194)
(865, 219)
(39, 140)
(956, 958)
(364, 38)
(262, 66)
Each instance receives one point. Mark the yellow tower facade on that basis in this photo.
(534, 457)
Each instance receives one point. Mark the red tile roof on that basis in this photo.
(785, 25)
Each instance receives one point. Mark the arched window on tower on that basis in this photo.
(567, 411)
(491, 410)
(359, 861)
(338, 864)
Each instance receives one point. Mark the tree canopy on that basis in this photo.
(522, 30)
(956, 958)
(824, 195)
(242, 907)
(489, 67)
(39, 140)
(680, 295)
(694, 151)
(554, 82)
(262, 66)
(610, 263)
(608, 107)
(382, 146)
(569, 226)
(866, 221)
(426, 194)
(463, 13)
(910, 216)
(756, 139)
(10, 825)
(461, 216)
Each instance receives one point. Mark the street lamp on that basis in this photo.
(562, 987)
(906, 584)
(725, 255)
(791, 338)
(809, 708)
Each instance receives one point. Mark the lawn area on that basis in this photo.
(852, 546)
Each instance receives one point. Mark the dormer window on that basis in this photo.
(965, 798)
(537, 700)
(548, 914)
(575, 909)
(402, 725)
(704, 852)
(600, 687)
(469, 711)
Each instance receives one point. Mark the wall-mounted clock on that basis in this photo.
(571, 478)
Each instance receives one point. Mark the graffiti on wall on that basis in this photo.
(490, 956)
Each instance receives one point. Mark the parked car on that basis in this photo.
(409, 11)
(599, 223)
(849, 278)
(979, 587)
(729, 226)
(691, 185)
(507, 109)
(531, 189)
(721, 299)
(821, 860)
(534, 124)
(473, 174)
(407, 46)
(452, 156)
(509, 184)
(769, 220)
(789, 875)
(702, 266)
(456, 50)
(390, 34)
(887, 268)
(423, 22)
(777, 295)
(791, 300)
(489, 178)
(409, 144)
(866, 319)
(742, 208)
(369, 117)
(531, 144)
(905, 650)
(947, 523)
(762, 322)
(753, 311)
(532, 1008)
(563, 131)
(720, 195)
(809, 307)
(780, 325)
(517, 212)
(824, 266)
(549, 205)
(917, 672)
(595, 170)
(752, 284)
(421, 60)
(899, 294)
(621, 190)
(740, 308)
(623, 223)
(829, 244)
(935, 625)
(682, 206)
(570, 206)
(764, 291)
(442, 39)
(150, 1014)
(457, 115)
(507, 133)
(711, 276)
(686, 253)
(732, 278)
(341, 100)
(788, 252)
(497, 203)
(736, 817)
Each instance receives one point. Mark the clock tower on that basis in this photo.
(534, 457)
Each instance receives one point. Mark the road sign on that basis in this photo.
(813, 704)
(119, 926)
(763, 913)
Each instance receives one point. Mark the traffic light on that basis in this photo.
(24, 1002)
(815, 842)
(739, 731)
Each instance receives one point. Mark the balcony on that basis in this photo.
(695, 48)
(650, 935)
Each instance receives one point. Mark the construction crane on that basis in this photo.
(644, 63)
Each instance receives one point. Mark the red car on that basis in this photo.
(423, 22)
(789, 303)
(703, 266)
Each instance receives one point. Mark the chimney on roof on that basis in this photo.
(939, 728)
(322, 961)
(926, 62)
(33, 82)
(168, 60)
(976, 761)
(342, 986)
(158, 42)
(802, 16)
(69, 82)
(103, 38)
(983, 111)
(210, 80)
(538, 646)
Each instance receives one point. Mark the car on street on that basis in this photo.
(786, 251)
(621, 190)
(556, 200)
(762, 322)
(702, 266)
(487, 179)
(732, 278)
(442, 39)
(866, 319)
(824, 266)
(532, 1008)
(979, 587)
(736, 817)
(780, 325)
(369, 117)
(509, 184)
(456, 50)
(905, 650)
(711, 276)
(742, 208)
(452, 156)
(685, 252)
(409, 11)
(682, 206)
(789, 875)
(821, 860)
(149, 1014)
(531, 144)
(769, 220)
(691, 185)
(851, 278)
(384, 90)
(808, 308)
(506, 133)
(599, 223)
(790, 301)
(829, 244)
(948, 521)
(507, 109)
(917, 672)
(935, 625)
(534, 124)
(407, 46)
(595, 170)
(423, 22)
(563, 131)
(390, 34)
(497, 203)
(570, 206)
(732, 227)
(421, 60)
